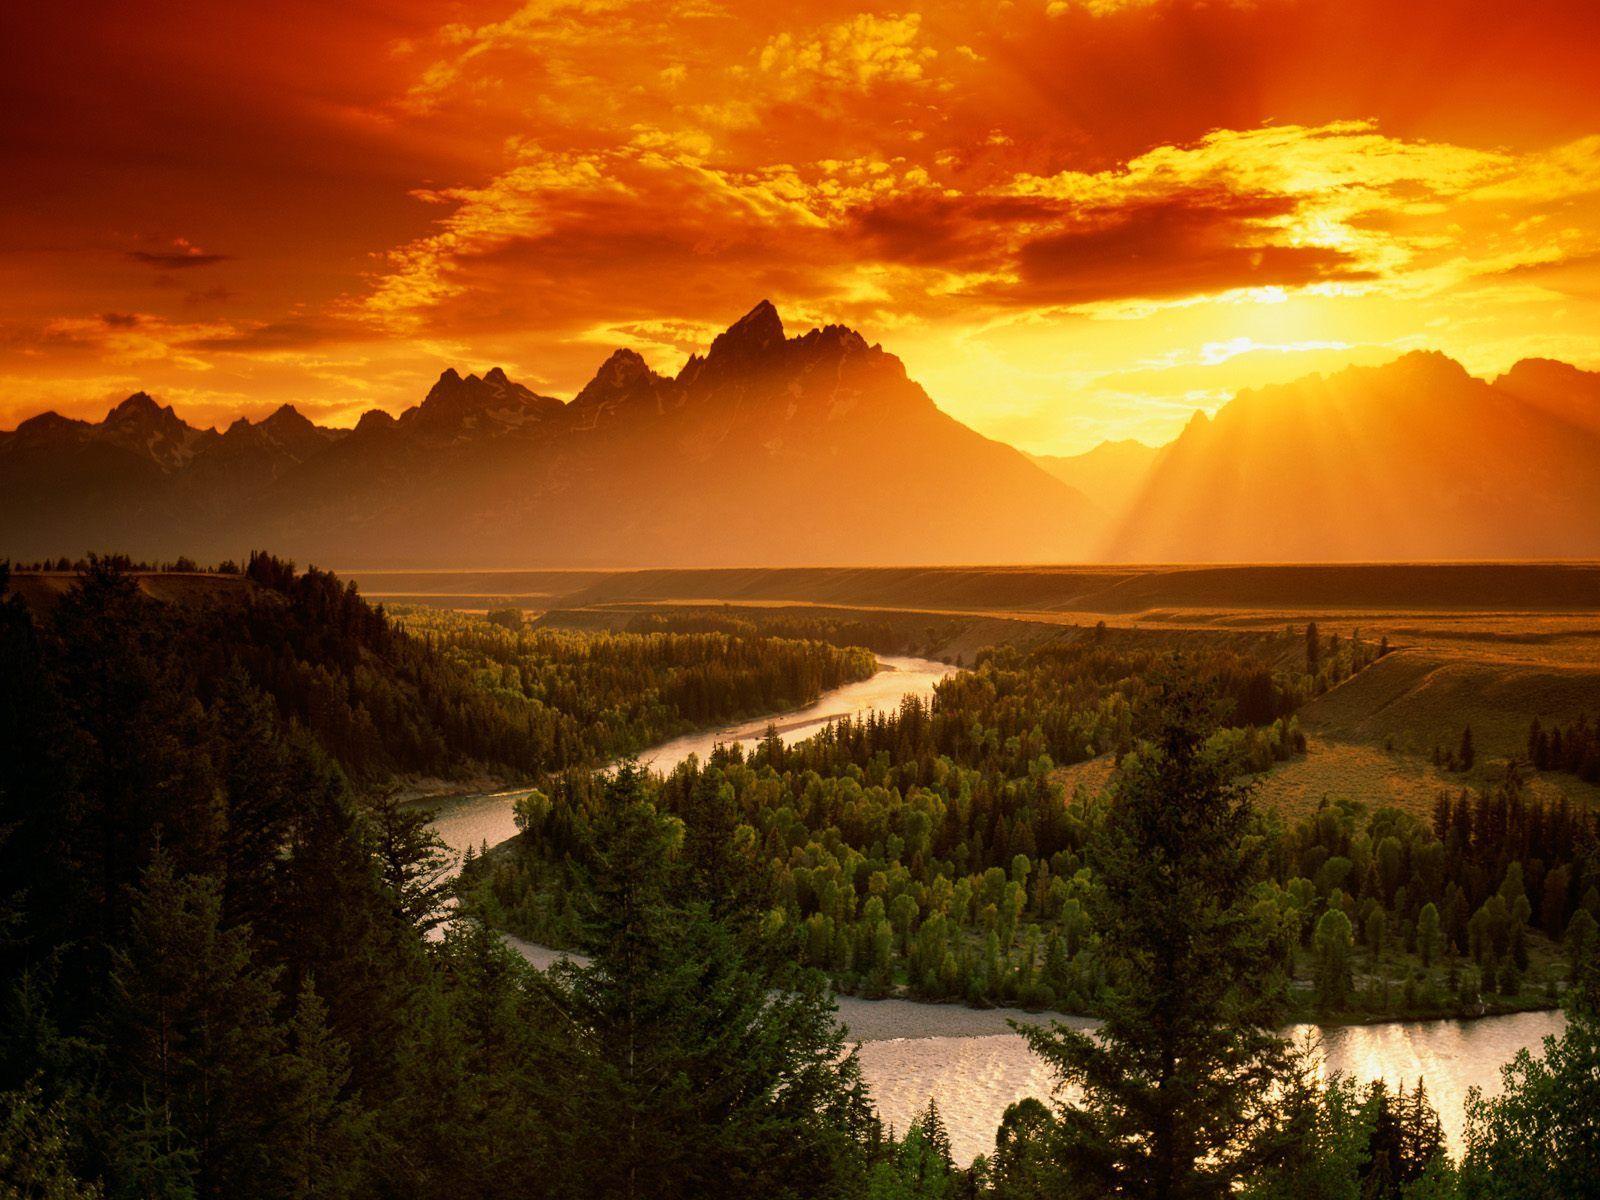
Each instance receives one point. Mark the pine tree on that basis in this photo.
(416, 865)
(931, 1125)
(1176, 1088)
(714, 1077)
(202, 1056)
(1332, 944)
(1429, 935)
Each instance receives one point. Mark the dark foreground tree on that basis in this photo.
(1175, 1095)
(689, 1070)
(1541, 1137)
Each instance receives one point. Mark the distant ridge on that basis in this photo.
(1413, 460)
(771, 450)
(767, 449)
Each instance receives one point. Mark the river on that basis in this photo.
(475, 821)
(970, 1060)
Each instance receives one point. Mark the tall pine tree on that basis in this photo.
(1173, 1097)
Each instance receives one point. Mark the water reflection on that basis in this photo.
(464, 821)
(975, 1078)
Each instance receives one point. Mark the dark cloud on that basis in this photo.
(1182, 244)
(276, 335)
(177, 261)
(951, 232)
(115, 320)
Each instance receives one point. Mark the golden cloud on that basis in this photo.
(860, 53)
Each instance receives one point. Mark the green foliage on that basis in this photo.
(1541, 1136)
(1174, 1095)
(1344, 1142)
(1332, 948)
(715, 1075)
(929, 849)
(578, 698)
(217, 969)
(35, 1150)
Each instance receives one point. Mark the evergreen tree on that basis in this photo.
(204, 1063)
(1021, 1167)
(1175, 1090)
(714, 1078)
(1328, 1138)
(35, 1150)
(416, 865)
(1332, 944)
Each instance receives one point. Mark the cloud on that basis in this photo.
(1180, 245)
(1113, 8)
(1077, 180)
(858, 53)
(1238, 213)
(548, 31)
(276, 335)
(176, 261)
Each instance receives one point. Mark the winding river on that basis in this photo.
(464, 821)
(971, 1060)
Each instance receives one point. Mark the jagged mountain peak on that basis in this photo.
(456, 406)
(286, 419)
(622, 370)
(757, 331)
(138, 407)
(1430, 364)
(624, 380)
(835, 337)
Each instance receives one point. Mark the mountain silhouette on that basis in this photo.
(771, 450)
(766, 450)
(1416, 459)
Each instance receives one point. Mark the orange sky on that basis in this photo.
(1074, 219)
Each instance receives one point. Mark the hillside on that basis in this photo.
(1416, 699)
(768, 449)
(1415, 459)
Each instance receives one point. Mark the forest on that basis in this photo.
(589, 697)
(228, 967)
(936, 851)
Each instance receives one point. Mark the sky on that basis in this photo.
(1075, 220)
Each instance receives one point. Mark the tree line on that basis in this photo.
(935, 850)
(593, 695)
(1574, 749)
(1185, 1089)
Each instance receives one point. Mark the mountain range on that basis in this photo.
(774, 450)
(1415, 459)
(765, 450)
